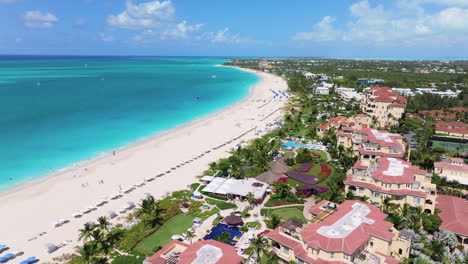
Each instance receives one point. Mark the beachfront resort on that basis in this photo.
(308, 182)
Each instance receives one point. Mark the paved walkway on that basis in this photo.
(309, 203)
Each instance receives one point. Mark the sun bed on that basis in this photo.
(29, 260)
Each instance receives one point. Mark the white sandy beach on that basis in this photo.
(32, 209)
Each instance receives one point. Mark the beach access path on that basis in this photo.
(34, 207)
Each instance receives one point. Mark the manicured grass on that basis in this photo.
(176, 225)
(271, 202)
(257, 225)
(286, 213)
(294, 183)
(220, 204)
(323, 155)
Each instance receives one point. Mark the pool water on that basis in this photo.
(294, 144)
(219, 229)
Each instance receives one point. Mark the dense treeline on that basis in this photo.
(431, 102)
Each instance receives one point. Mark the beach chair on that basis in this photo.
(30, 260)
(6, 258)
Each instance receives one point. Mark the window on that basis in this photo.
(332, 255)
(371, 243)
(400, 251)
(286, 250)
(416, 201)
(377, 195)
(361, 190)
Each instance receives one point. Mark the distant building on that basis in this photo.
(371, 144)
(366, 81)
(264, 65)
(235, 187)
(357, 122)
(394, 178)
(207, 251)
(403, 91)
(385, 105)
(453, 169)
(322, 90)
(454, 212)
(345, 234)
(347, 94)
(454, 129)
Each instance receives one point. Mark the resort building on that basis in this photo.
(454, 212)
(322, 90)
(454, 169)
(454, 129)
(357, 122)
(370, 144)
(206, 252)
(235, 188)
(394, 178)
(353, 232)
(383, 104)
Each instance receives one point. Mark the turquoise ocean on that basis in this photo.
(57, 111)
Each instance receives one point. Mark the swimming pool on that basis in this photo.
(290, 144)
(219, 229)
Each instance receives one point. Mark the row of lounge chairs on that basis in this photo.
(12, 255)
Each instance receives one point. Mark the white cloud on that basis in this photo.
(172, 31)
(143, 16)
(37, 19)
(106, 38)
(222, 36)
(323, 31)
(377, 26)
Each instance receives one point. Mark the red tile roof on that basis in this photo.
(377, 226)
(388, 259)
(451, 124)
(452, 130)
(391, 170)
(189, 255)
(459, 109)
(445, 165)
(390, 138)
(454, 212)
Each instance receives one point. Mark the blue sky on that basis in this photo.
(342, 28)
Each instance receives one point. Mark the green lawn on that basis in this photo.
(286, 213)
(271, 202)
(220, 204)
(176, 225)
(323, 155)
(294, 183)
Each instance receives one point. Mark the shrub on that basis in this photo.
(128, 259)
(290, 161)
(304, 158)
(194, 186)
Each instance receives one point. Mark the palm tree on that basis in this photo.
(225, 237)
(250, 197)
(436, 249)
(258, 246)
(150, 211)
(86, 253)
(274, 221)
(103, 223)
(190, 235)
(86, 231)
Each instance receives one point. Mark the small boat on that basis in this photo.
(38, 83)
(197, 98)
(214, 76)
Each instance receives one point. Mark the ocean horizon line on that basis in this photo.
(370, 58)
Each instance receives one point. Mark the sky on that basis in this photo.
(331, 28)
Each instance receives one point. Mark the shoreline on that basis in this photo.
(106, 154)
(33, 208)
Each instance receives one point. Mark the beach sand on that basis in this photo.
(32, 208)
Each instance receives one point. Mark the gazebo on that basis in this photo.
(233, 220)
(278, 166)
(268, 177)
